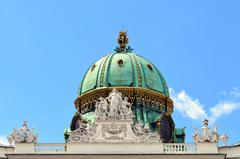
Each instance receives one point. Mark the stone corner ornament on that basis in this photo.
(22, 135)
(205, 134)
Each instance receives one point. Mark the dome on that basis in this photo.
(137, 79)
(123, 69)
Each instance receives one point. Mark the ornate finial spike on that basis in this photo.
(25, 123)
(122, 41)
(122, 27)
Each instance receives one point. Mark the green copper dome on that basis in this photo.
(137, 79)
(123, 69)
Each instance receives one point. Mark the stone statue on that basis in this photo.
(98, 106)
(215, 136)
(208, 135)
(23, 135)
(114, 99)
(125, 108)
(114, 107)
(196, 135)
(101, 107)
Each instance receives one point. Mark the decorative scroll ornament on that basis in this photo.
(113, 124)
(208, 135)
(85, 130)
(140, 129)
(23, 135)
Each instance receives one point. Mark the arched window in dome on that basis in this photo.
(120, 63)
(93, 67)
(150, 67)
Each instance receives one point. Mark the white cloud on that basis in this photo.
(187, 106)
(3, 140)
(193, 109)
(222, 108)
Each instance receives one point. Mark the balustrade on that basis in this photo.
(47, 148)
(179, 148)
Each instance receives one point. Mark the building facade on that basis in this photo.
(123, 110)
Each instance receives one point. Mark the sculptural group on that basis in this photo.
(114, 106)
(205, 134)
(22, 135)
(114, 123)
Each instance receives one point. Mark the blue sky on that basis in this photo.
(46, 47)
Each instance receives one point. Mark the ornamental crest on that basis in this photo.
(205, 134)
(22, 135)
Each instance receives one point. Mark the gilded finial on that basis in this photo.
(123, 41)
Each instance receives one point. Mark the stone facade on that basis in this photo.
(117, 156)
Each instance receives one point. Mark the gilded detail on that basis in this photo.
(122, 40)
(138, 71)
(103, 71)
(86, 102)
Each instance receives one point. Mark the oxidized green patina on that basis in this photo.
(123, 69)
(136, 78)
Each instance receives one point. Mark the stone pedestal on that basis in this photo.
(207, 147)
(24, 148)
(115, 148)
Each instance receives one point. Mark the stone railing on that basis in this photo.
(170, 148)
(176, 148)
(50, 148)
